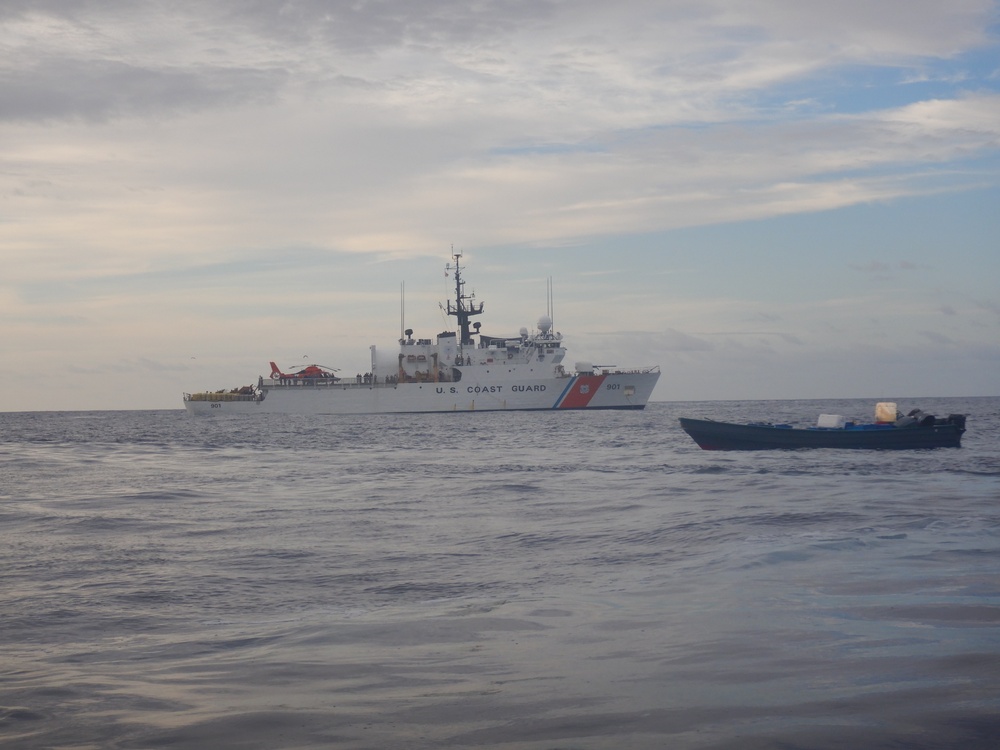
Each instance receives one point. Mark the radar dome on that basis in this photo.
(545, 324)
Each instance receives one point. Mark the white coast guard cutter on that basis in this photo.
(453, 372)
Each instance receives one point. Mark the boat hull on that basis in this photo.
(613, 390)
(711, 435)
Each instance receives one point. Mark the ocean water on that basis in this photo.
(494, 580)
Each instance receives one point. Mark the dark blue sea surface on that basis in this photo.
(494, 580)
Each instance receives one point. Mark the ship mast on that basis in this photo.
(465, 306)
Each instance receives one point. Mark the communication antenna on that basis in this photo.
(465, 305)
(402, 308)
(550, 302)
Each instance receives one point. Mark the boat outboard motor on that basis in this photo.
(922, 418)
(958, 420)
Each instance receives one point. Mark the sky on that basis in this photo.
(768, 199)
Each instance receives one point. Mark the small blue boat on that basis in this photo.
(916, 430)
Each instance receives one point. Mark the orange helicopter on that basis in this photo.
(309, 371)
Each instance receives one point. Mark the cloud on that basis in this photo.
(990, 306)
(761, 337)
(678, 341)
(100, 89)
(938, 338)
(569, 68)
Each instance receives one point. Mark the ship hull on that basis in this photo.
(725, 436)
(613, 390)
